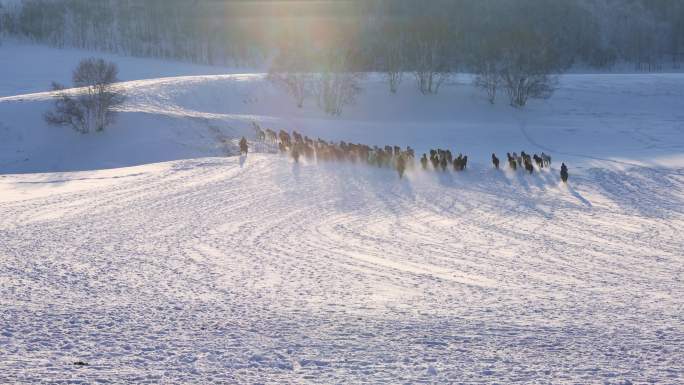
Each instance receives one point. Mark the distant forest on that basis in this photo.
(648, 34)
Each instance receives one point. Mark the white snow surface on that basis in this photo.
(617, 121)
(153, 255)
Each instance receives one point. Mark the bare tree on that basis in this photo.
(521, 86)
(336, 83)
(394, 65)
(529, 67)
(487, 66)
(393, 51)
(430, 55)
(334, 90)
(91, 104)
(291, 70)
(297, 84)
(68, 111)
(488, 79)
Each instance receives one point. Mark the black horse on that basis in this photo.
(512, 163)
(528, 165)
(538, 160)
(495, 161)
(401, 165)
(443, 162)
(424, 162)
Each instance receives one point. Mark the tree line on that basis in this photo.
(322, 49)
(646, 33)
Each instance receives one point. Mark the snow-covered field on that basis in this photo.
(208, 269)
(616, 121)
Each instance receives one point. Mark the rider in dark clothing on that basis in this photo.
(243, 146)
(564, 173)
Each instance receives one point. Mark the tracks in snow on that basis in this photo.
(208, 271)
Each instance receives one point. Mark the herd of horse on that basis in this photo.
(395, 157)
(298, 145)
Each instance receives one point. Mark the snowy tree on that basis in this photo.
(91, 104)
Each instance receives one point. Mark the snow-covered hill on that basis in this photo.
(207, 268)
(611, 120)
(213, 271)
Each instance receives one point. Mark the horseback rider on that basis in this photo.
(243, 146)
(564, 173)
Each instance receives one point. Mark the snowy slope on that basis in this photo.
(30, 68)
(258, 270)
(207, 268)
(609, 120)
